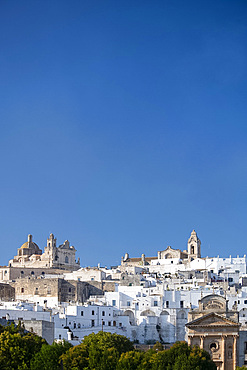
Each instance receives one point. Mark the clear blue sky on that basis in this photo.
(123, 126)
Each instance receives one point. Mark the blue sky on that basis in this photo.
(123, 126)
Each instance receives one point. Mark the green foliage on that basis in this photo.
(148, 360)
(103, 340)
(158, 347)
(99, 351)
(102, 351)
(75, 358)
(130, 360)
(179, 357)
(48, 358)
(16, 350)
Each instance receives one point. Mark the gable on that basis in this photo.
(212, 320)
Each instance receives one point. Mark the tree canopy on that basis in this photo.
(17, 347)
(21, 350)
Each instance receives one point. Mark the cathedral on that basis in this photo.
(29, 255)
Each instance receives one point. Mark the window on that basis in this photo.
(213, 346)
(81, 313)
(128, 303)
(66, 259)
(22, 272)
(245, 347)
(230, 279)
(48, 290)
(103, 323)
(109, 323)
(155, 303)
(93, 312)
(59, 336)
(103, 313)
(92, 323)
(22, 290)
(32, 272)
(167, 304)
(114, 302)
(114, 323)
(245, 302)
(181, 304)
(74, 325)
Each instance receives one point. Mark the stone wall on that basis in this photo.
(7, 292)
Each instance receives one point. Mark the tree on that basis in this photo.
(99, 351)
(158, 347)
(75, 358)
(179, 357)
(104, 340)
(17, 350)
(48, 358)
(130, 360)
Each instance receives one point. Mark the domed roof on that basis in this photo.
(30, 244)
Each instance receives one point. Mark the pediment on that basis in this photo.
(169, 252)
(212, 320)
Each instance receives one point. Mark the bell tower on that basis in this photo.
(194, 246)
(51, 241)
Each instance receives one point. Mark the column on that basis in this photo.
(223, 340)
(201, 341)
(234, 354)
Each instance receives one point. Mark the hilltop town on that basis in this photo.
(176, 295)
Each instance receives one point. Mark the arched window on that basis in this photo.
(66, 259)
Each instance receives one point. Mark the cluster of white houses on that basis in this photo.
(175, 296)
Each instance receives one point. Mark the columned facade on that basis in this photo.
(215, 329)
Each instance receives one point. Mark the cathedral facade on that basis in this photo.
(29, 255)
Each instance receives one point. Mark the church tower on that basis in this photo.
(194, 246)
(51, 249)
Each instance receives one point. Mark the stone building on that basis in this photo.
(53, 291)
(61, 257)
(215, 328)
(193, 251)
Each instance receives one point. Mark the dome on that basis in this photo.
(30, 244)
